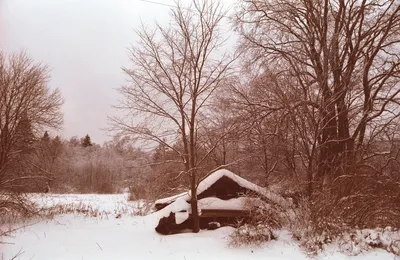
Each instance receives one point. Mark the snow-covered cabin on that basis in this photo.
(222, 196)
(224, 185)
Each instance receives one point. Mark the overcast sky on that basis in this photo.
(84, 43)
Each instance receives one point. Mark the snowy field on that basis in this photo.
(102, 204)
(117, 234)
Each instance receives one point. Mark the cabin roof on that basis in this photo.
(212, 178)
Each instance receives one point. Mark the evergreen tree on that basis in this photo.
(56, 147)
(24, 135)
(46, 137)
(86, 141)
(43, 148)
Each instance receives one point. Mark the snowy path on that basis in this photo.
(77, 237)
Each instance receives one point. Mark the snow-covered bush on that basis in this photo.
(314, 232)
(359, 241)
(314, 229)
(259, 228)
(354, 242)
(249, 234)
(267, 213)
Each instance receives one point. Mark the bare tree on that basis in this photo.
(278, 135)
(27, 105)
(175, 72)
(343, 55)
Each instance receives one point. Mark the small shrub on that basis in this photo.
(259, 228)
(15, 206)
(269, 214)
(359, 241)
(143, 208)
(314, 229)
(251, 235)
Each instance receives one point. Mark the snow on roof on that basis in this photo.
(241, 203)
(181, 217)
(215, 176)
(212, 178)
(170, 199)
(176, 206)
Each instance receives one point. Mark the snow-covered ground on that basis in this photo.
(133, 237)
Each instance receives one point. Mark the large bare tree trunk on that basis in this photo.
(193, 202)
(343, 56)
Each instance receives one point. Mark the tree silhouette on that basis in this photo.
(86, 141)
